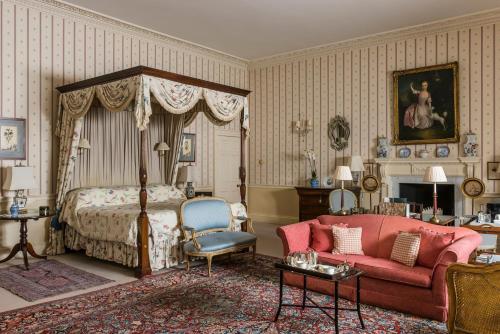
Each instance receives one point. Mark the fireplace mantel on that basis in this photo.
(462, 166)
(455, 168)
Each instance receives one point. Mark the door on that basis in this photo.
(226, 166)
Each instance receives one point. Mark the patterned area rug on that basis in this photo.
(46, 279)
(240, 297)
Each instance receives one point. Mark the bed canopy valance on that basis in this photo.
(137, 89)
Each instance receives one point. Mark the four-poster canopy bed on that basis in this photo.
(138, 88)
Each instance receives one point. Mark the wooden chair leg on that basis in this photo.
(254, 251)
(209, 260)
(186, 258)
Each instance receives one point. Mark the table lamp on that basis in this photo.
(18, 179)
(357, 167)
(435, 174)
(183, 176)
(342, 173)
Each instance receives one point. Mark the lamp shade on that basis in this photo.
(357, 164)
(18, 178)
(84, 143)
(343, 173)
(183, 174)
(161, 147)
(435, 174)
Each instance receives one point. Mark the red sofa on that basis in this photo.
(389, 284)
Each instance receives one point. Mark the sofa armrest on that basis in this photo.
(458, 251)
(296, 237)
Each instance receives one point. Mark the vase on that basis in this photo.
(314, 182)
(383, 148)
(190, 190)
(471, 146)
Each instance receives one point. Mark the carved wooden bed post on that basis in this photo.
(243, 170)
(143, 266)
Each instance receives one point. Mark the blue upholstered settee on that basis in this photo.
(205, 223)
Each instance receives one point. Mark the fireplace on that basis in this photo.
(423, 193)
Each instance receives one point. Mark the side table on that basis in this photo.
(23, 245)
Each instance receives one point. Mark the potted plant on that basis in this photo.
(311, 158)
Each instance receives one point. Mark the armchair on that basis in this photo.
(205, 224)
(473, 298)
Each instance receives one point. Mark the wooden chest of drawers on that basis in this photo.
(314, 202)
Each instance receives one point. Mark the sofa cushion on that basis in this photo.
(322, 237)
(405, 248)
(335, 259)
(220, 240)
(395, 272)
(371, 225)
(431, 245)
(347, 240)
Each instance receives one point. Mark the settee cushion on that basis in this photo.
(322, 237)
(371, 225)
(432, 244)
(395, 272)
(220, 240)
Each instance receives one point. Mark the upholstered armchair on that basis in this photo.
(206, 225)
(473, 292)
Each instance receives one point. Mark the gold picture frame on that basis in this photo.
(426, 105)
(473, 187)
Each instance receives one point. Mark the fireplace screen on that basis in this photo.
(422, 193)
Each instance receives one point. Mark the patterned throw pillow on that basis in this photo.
(347, 240)
(405, 248)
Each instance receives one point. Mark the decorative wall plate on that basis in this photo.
(404, 152)
(472, 187)
(370, 183)
(442, 151)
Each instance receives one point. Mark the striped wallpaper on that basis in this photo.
(45, 44)
(355, 81)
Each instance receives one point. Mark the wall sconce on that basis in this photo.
(83, 145)
(303, 127)
(162, 148)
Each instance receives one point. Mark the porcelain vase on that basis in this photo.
(314, 182)
(471, 146)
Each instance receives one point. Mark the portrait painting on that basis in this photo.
(188, 148)
(426, 105)
(12, 138)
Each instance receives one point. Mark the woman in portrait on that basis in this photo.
(420, 115)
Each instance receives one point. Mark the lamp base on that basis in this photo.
(434, 220)
(342, 213)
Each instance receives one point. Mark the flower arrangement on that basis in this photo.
(311, 158)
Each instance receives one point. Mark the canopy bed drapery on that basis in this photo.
(138, 88)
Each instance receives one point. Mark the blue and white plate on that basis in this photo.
(442, 151)
(404, 152)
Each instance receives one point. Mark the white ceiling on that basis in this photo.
(259, 28)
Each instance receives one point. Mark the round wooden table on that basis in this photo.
(23, 245)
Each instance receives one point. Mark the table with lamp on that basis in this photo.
(19, 179)
(435, 175)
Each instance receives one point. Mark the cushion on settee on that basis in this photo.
(371, 225)
(431, 245)
(220, 240)
(395, 272)
(405, 249)
(322, 237)
(347, 240)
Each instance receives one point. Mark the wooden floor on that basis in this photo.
(268, 243)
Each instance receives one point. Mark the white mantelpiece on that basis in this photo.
(395, 170)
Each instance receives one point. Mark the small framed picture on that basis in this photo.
(188, 148)
(12, 139)
(493, 170)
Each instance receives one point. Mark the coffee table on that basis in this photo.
(336, 278)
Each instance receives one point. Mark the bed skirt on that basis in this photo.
(163, 252)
